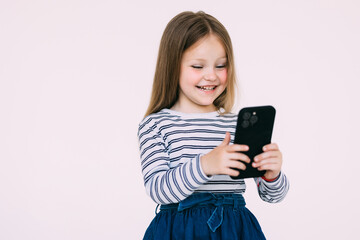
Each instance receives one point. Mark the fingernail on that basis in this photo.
(254, 164)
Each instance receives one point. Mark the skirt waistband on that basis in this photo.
(197, 199)
(217, 200)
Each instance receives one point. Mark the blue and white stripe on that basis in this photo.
(171, 144)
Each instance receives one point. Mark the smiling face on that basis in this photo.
(203, 76)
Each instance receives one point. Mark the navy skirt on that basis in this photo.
(205, 216)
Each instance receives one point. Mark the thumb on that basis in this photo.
(226, 140)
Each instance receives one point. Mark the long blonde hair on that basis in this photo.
(181, 32)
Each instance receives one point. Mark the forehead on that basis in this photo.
(208, 47)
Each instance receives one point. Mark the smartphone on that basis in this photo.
(254, 128)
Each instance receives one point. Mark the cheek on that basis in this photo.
(223, 76)
(192, 76)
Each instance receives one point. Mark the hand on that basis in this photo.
(224, 157)
(270, 160)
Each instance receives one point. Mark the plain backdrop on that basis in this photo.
(75, 81)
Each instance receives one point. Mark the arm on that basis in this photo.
(274, 186)
(162, 184)
(273, 190)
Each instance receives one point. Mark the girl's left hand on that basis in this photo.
(270, 160)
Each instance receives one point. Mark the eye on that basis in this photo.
(221, 66)
(197, 66)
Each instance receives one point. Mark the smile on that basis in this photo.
(206, 88)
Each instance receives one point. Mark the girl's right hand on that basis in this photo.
(224, 157)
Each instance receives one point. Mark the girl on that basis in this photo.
(185, 139)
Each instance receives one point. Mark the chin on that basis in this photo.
(207, 105)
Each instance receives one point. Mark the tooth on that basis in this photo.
(206, 88)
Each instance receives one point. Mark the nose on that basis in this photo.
(210, 74)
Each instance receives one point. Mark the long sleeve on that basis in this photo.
(164, 184)
(273, 191)
(171, 144)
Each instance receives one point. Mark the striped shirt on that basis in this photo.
(171, 144)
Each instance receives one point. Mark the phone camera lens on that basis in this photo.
(253, 119)
(246, 116)
(245, 124)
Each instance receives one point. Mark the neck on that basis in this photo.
(193, 109)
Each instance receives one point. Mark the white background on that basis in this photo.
(75, 80)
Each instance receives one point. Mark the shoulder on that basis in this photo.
(228, 115)
(156, 118)
(153, 120)
(167, 116)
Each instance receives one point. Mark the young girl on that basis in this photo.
(185, 139)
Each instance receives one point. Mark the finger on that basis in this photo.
(267, 164)
(239, 156)
(237, 165)
(226, 140)
(271, 146)
(232, 172)
(265, 155)
(271, 167)
(238, 148)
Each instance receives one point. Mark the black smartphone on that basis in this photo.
(254, 128)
